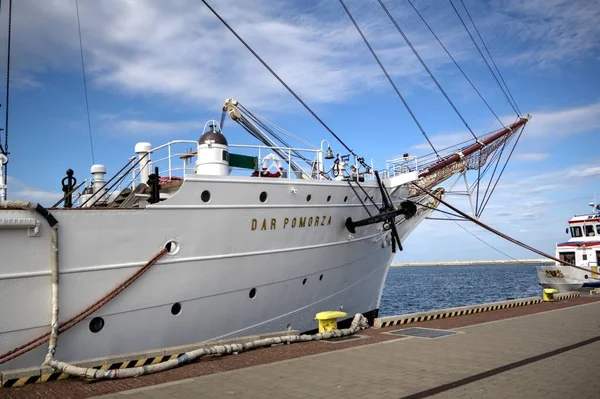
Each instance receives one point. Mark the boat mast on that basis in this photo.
(479, 144)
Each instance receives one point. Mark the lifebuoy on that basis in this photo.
(275, 162)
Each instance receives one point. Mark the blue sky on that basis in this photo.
(158, 70)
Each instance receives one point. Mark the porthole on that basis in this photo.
(252, 293)
(328, 198)
(263, 196)
(321, 277)
(346, 199)
(585, 277)
(176, 309)
(304, 282)
(172, 247)
(96, 324)
(308, 198)
(205, 196)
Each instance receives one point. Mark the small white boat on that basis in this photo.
(582, 250)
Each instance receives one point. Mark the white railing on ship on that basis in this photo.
(400, 166)
(169, 156)
(187, 169)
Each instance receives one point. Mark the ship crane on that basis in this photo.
(242, 116)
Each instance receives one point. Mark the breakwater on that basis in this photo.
(538, 262)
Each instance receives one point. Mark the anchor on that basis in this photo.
(387, 214)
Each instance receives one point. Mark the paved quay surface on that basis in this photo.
(539, 355)
(481, 360)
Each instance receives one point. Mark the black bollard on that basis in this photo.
(68, 183)
(153, 182)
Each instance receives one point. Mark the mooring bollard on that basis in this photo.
(328, 320)
(548, 294)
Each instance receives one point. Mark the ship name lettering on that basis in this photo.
(290, 223)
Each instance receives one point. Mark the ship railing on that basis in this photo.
(176, 159)
(174, 151)
(399, 166)
(292, 160)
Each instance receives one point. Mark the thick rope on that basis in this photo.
(359, 323)
(42, 339)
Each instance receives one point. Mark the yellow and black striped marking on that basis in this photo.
(18, 382)
(570, 295)
(451, 313)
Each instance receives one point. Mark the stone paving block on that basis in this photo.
(409, 366)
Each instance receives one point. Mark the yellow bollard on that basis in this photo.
(548, 294)
(328, 320)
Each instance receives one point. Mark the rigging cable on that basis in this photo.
(456, 63)
(502, 171)
(292, 92)
(484, 59)
(493, 159)
(85, 82)
(498, 233)
(440, 211)
(490, 55)
(367, 196)
(497, 162)
(478, 181)
(388, 77)
(259, 122)
(359, 200)
(425, 66)
(5, 148)
(486, 243)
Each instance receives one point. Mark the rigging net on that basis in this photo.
(471, 157)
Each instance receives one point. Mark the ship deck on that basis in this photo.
(541, 350)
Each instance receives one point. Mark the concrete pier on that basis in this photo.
(549, 355)
(546, 355)
(541, 350)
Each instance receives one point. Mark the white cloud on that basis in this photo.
(150, 127)
(544, 124)
(547, 30)
(181, 51)
(178, 50)
(582, 171)
(531, 156)
(443, 140)
(564, 122)
(20, 190)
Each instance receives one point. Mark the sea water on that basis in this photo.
(423, 288)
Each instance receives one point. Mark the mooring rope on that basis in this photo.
(358, 323)
(500, 234)
(57, 328)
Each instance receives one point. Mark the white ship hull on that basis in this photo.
(296, 254)
(561, 278)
